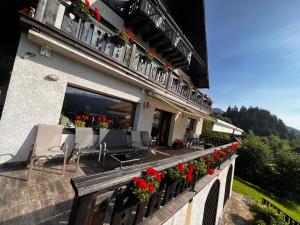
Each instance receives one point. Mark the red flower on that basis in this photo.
(191, 168)
(208, 164)
(162, 175)
(131, 35)
(88, 4)
(180, 167)
(96, 10)
(143, 184)
(109, 121)
(158, 178)
(98, 17)
(211, 171)
(85, 117)
(168, 65)
(189, 177)
(151, 188)
(77, 117)
(136, 179)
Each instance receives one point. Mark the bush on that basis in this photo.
(265, 215)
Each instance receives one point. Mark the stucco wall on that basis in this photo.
(194, 216)
(33, 99)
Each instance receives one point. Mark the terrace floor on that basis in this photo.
(47, 197)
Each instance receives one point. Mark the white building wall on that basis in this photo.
(33, 99)
(195, 216)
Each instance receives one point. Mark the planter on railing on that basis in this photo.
(109, 198)
(79, 25)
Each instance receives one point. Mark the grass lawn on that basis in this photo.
(256, 193)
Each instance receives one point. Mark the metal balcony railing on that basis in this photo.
(69, 19)
(107, 198)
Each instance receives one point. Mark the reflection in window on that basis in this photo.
(88, 109)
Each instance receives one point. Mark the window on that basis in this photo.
(190, 124)
(90, 109)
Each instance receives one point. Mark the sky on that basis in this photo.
(254, 55)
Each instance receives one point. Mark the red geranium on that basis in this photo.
(131, 35)
(211, 171)
(189, 177)
(98, 17)
(96, 10)
(180, 167)
(85, 117)
(143, 185)
(77, 117)
(151, 188)
(88, 4)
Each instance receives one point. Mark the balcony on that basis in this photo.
(161, 31)
(97, 196)
(68, 22)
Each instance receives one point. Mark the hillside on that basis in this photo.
(291, 129)
(260, 121)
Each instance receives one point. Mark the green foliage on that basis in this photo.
(208, 125)
(266, 215)
(271, 163)
(80, 123)
(256, 193)
(200, 166)
(260, 121)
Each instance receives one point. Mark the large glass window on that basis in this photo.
(87, 109)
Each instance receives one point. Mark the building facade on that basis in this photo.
(63, 54)
(135, 64)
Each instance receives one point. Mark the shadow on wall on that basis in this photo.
(25, 148)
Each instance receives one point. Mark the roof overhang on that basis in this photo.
(184, 109)
(221, 126)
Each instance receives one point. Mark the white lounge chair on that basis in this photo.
(48, 145)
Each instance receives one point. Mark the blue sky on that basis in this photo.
(254, 55)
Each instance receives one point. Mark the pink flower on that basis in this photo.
(96, 10)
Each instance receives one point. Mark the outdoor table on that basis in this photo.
(124, 158)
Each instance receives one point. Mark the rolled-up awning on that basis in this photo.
(185, 109)
(221, 126)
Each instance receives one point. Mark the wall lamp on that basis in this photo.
(52, 77)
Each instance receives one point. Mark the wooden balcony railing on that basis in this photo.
(71, 21)
(107, 198)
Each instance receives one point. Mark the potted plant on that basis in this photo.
(81, 120)
(104, 122)
(86, 10)
(166, 67)
(123, 37)
(150, 55)
(142, 188)
(200, 168)
(178, 144)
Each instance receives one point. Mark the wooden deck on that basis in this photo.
(47, 197)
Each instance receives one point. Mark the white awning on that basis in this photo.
(221, 126)
(185, 109)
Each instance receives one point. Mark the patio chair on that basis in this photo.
(84, 144)
(140, 140)
(114, 141)
(48, 145)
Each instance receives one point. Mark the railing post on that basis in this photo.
(40, 10)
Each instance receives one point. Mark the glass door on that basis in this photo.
(161, 127)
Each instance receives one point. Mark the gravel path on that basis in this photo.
(237, 211)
